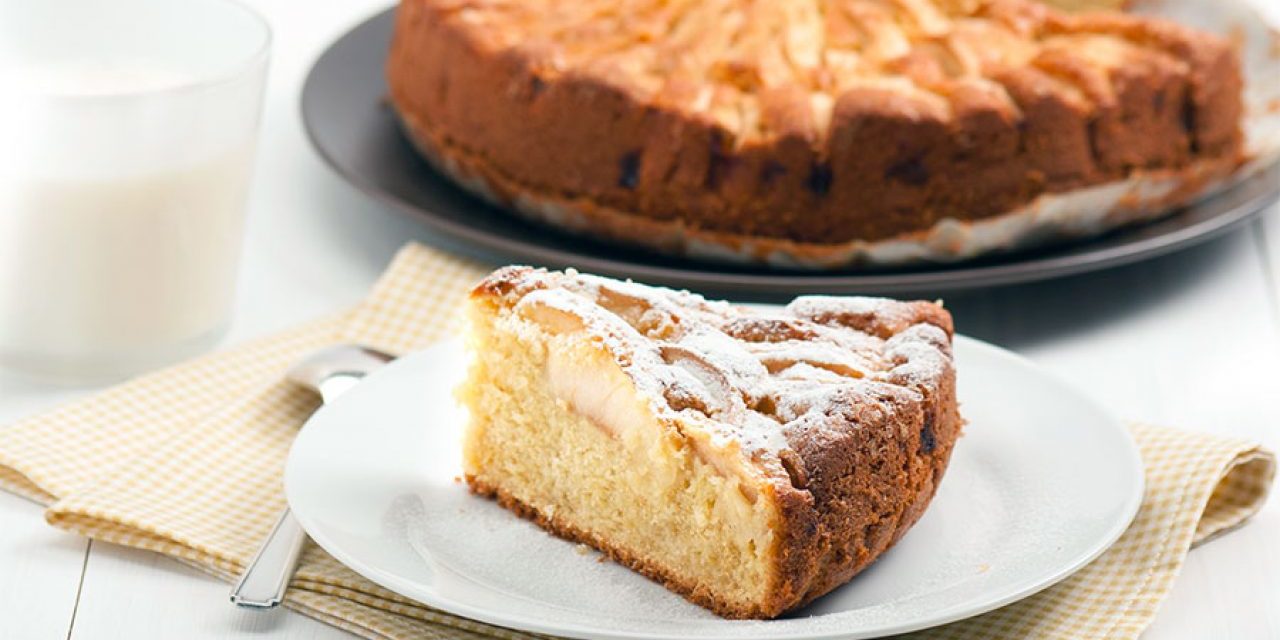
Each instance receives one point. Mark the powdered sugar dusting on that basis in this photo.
(746, 376)
(920, 354)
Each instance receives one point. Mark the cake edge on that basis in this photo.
(1144, 196)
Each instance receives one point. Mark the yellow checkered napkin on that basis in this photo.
(188, 461)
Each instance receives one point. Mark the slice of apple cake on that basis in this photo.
(751, 460)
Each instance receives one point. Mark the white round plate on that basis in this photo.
(1042, 482)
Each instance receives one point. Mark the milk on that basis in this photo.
(90, 77)
(121, 214)
(92, 268)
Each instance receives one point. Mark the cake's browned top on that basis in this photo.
(755, 380)
(762, 69)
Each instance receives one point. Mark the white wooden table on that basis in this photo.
(1191, 339)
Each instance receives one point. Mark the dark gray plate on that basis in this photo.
(348, 121)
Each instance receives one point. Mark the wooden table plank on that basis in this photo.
(40, 567)
(1229, 587)
(39, 572)
(128, 593)
(1269, 243)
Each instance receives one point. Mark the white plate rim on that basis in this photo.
(415, 591)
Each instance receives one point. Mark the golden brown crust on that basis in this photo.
(863, 447)
(871, 469)
(1017, 101)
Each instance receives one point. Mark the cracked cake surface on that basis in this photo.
(750, 459)
(799, 125)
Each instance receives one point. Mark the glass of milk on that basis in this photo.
(127, 131)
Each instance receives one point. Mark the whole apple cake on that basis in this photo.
(751, 460)
(804, 131)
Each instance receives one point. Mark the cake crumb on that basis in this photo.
(582, 549)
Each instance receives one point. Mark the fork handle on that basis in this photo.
(263, 583)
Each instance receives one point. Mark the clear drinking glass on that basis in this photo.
(128, 130)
